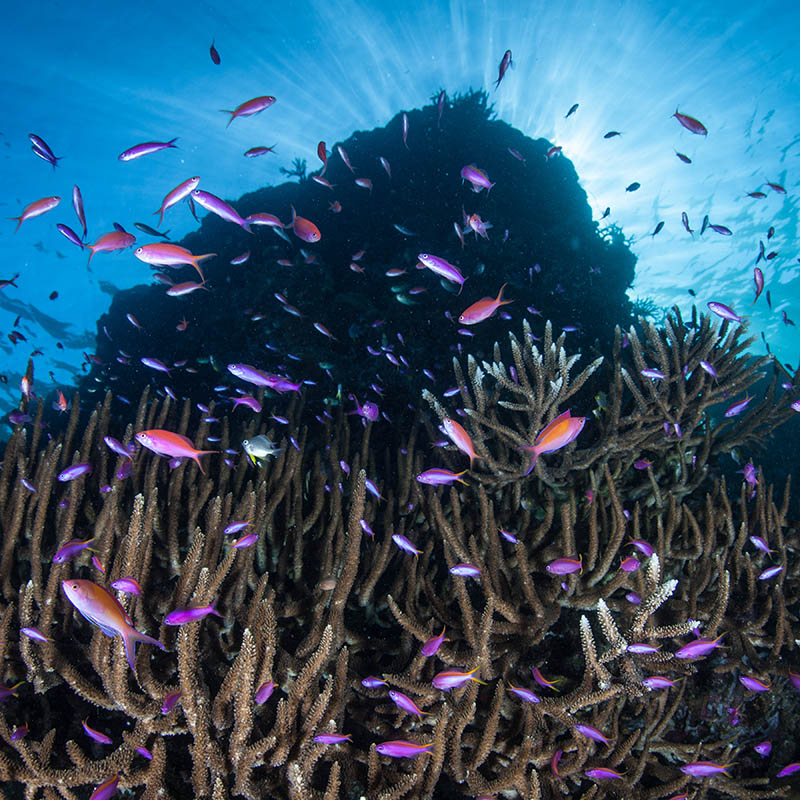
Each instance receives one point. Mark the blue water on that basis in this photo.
(95, 78)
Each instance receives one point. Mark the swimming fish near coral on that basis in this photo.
(259, 448)
(173, 445)
(559, 433)
(101, 608)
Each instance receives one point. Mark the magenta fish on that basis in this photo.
(691, 124)
(332, 738)
(737, 408)
(264, 692)
(249, 107)
(505, 63)
(74, 471)
(127, 585)
(181, 616)
(105, 790)
(96, 735)
(477, 177)
(71, 549)
(145, 149)
(400, 748)
(591, 732)
(405, 703)
(524, 694)
(699, 648)
(217, 206)
(465, 570)
(702, 769)
(452, 679)
(443, 268)
(603, 774)
(440, 477)
(432, 645)
(565, 566)
(726, 312)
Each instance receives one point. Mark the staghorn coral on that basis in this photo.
(316, 605)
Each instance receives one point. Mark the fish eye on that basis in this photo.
(75, 586)
(245, 442)
(138, 249)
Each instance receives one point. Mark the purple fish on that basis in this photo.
(658, 682)
(373, 489)
(465, 570)
(34, 633)
(372, 682)
(701, 769)
(128, 585)
(96, 735)
(180, 616)
(264, 692)
(642, 648)
(591, 732)
(170, 700)
(125, 470)
(763, 748)
(28, 485)
(440, 477)
(737, 408)
(508, 536)
(404, 544)
(770, 572)
(525, 694)
(145, 149)
(789, 769)
(432, 645)
(645, 548)
(155, 364)
(603, 774)
(217, 206)
(399, 748)
(726, 312)
(699, 648)
(117, 447)
(248, 540)
(70, 234)
(629, 564)
(75, 471)
(709, 368)
(654, 374)
(71, 549)
(761, 544)
(105, 790)
(405, 703)
(235, 527)
(144, 752)
(332, 738)
(565, 566)
(248, 401)
(443, 268)
(451, 679)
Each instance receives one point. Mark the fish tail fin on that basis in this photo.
(89, 247)
(159, 211)
(534, 457)
(461, 287)
(205, 256)
(171, 142)
(196, 457)
(19, 222)
(232, 113)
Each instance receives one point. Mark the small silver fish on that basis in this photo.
(259, 448)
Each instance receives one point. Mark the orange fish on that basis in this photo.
(115, 240)
(36, 208)
(304, 228)
(459, 437)
(101, 608)
(249, 107)
(483, 309)
(559, 433)
(173, 445)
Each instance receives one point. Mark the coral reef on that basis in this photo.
(324, 598)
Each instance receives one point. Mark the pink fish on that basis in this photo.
(505, 63)
(385, 164)
(451, 679)
(698, 648)
(110, 242)
(459, 437)
(172, 445)
(343, 154)
(440, 477)
(249, 107)
(181, 191)
(262, 218)
(254, 152)
(432, 645)
(322, 153)
(364, 183)
(701, 769)
(180, 289)
(71, 549)
(405, 703)
(557, 434)
(181, 616)
(304, 228)
(477, 177)
(726, 312)
(405, 130)
(101, 608)
(105, 790)
(483, 309)
(691, 124)
(35, 209)
(164, 254)
(442, 267)
(145, 149)
(399, 748)
(565, 566)
(217, 206)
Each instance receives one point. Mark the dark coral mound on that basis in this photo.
(581, 279)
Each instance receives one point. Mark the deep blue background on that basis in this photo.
(96, 78)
